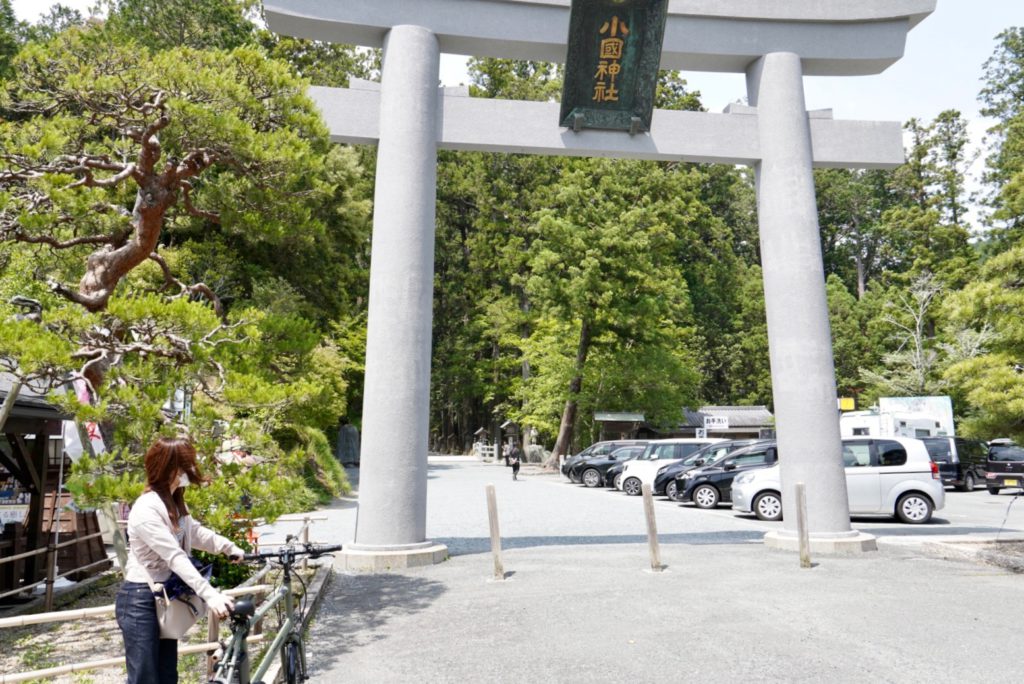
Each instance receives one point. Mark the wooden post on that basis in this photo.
(492, 515)
(35, 461)
(652, 529)
(212, 635)
(51, 572)
(258, 599)
(8, 405)
(801, 525)
(305, 541)
(109, 512)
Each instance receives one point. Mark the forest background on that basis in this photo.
(169, 197)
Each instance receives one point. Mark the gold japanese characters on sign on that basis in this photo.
(611, 66)
(610, 55)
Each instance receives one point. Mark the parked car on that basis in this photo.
(962, 462)
(644, 468)
(665, 480)
(712, 484)
(598, 449)
(1005, 466)
(613, 476)
(890, 476)
(590, 471)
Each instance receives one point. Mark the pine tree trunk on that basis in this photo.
(565, 430)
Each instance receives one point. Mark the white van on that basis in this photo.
(892, 476)
(663, 452)
(878, 424)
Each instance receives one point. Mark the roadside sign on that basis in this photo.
(716, 422)
(701, 433)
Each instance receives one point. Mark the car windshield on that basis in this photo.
(1007, 453)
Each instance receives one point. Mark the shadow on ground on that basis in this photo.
(357, 610)
(460, 546)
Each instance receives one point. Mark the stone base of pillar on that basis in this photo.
(379, 559)
(831, 545)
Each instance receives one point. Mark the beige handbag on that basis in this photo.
(176, 616)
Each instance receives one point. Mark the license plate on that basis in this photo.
(1011, 483)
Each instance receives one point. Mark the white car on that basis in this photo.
(890, 476)
(663, 452)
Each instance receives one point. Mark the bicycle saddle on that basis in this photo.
(244, 609)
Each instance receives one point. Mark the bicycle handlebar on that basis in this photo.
(311, 550)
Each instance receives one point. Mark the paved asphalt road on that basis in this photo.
(579, 605)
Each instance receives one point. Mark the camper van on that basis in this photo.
(877, 424)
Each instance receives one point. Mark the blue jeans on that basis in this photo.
(150, 659)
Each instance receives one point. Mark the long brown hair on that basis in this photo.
(165, 458)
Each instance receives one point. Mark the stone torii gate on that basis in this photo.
(409, 117)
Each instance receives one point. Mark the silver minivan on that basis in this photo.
(885, 476)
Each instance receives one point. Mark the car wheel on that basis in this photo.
(914, 509)
(591, 478)
(993, 491)
(969, 483)
(705, 496)
(632, 486)
(618, 481)
(768, 506)
(671, 491)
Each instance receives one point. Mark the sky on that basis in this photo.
(941, 68)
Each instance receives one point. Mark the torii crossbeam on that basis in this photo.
(774, 43)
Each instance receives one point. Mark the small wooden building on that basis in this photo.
(31, 458)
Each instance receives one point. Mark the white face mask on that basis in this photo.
(183, 481)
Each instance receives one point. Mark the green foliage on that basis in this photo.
(1002, 95)
(671, 93)
(59, 18)
(747, 364)
(322, 64)
(989, 372)
(278, 203)
(8, 37)
(513, 79)
(167, 24)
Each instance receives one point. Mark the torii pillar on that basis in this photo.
(775, 44)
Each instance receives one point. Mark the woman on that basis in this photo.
(161, 535)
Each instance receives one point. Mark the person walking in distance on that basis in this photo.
(514, 456)
(161, 535)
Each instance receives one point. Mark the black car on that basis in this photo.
(962, 462)
(709, 485)
(591, 471)
(665, 481)
(1005, 467)
(612, 473)
(598, 449)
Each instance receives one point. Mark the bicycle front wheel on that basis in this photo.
(294, 663)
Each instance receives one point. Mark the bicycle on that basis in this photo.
(233, 663)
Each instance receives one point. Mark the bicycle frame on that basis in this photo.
(236, 656)
(234, 662)
(237, 653)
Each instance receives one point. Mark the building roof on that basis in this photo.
(739, 416)
(31, 402)
(618, 417)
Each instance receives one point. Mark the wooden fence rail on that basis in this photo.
(249, 587)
